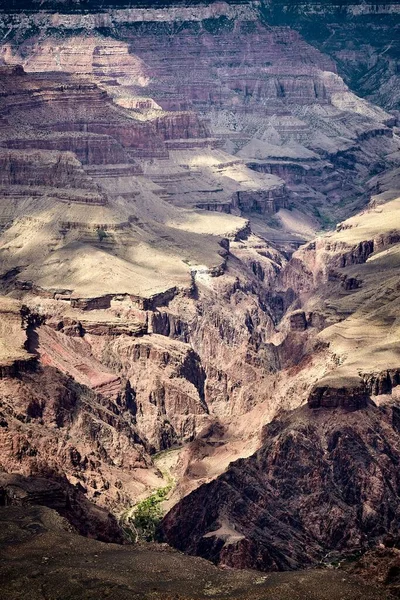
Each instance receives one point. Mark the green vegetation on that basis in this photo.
(101, 234)
(140, 523)
(148, 515)
(327, 223)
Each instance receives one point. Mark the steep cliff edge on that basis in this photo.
(348, 280)
(324, 482)
(147, 156)
(362, 38)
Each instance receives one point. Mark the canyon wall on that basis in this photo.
(360, 36)
(274, 101)
(160, 168)
(322, 485)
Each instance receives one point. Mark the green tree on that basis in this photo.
(142, 521)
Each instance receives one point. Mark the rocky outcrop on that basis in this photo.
(322, 484)
(90, 149)
(16, 329)
(348, 397)
(37, 544)
(104, 58)
(169, 324)
(379, 565)
(298, 321)
(180, 125)
(382, 382)
(78, 112)
(263, 202)
(274, 100)
(67, 500)
(161, 325)
(318, 484)
(53, 427)
(168, 380)
(41, 169)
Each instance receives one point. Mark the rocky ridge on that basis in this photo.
(323, 482)
(318, 486)
(146, 308)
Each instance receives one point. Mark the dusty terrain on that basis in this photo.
(41, 558)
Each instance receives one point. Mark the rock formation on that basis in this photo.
(324, 481)
(163, 176)
(273, 101)
(357, 35)
(39, 552)
(65, 499)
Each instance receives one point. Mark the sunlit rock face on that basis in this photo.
(114, 285)
(223, 77)
(147, 156)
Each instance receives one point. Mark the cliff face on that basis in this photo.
(55, 427)
(323, 482)
(137, 336)
(146, 157)
(359, 36)
(273, 101)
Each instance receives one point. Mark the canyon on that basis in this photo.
(199, 293)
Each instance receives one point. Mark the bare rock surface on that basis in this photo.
(67, 501)
(357, 35)
(41, 558)
(362, 365)
(220, 111)
(158, 169)
(324, 481)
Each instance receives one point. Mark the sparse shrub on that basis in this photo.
(101, 234)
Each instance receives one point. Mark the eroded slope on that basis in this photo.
(325, 479)
(41, 556)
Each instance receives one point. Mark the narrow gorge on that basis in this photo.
(199, 300)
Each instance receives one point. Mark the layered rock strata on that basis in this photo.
(323, 482)
(157, 318)
(357, 35)
(290, 117)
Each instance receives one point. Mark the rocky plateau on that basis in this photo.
(199, 293)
